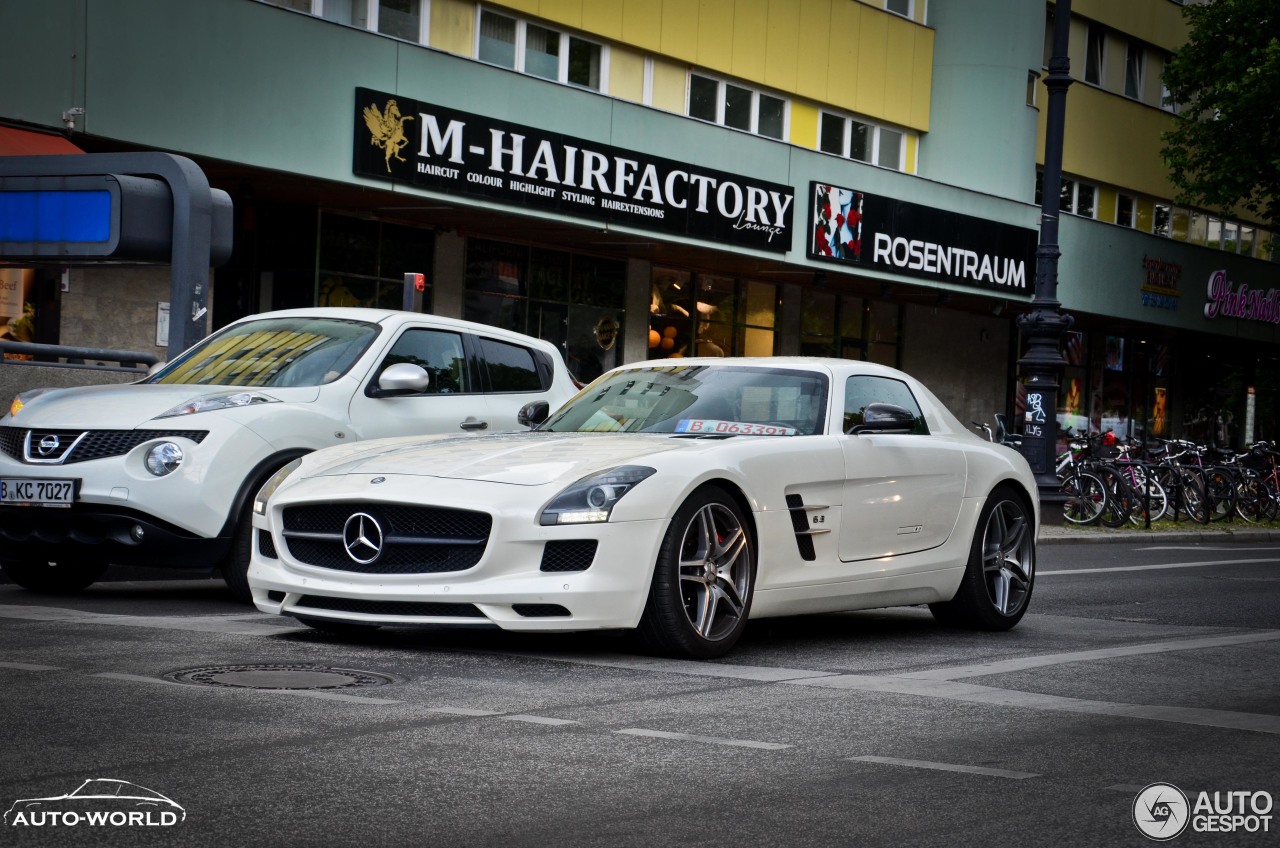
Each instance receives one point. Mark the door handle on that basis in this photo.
(474, 424)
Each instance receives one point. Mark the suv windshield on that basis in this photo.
(699, 400)
(295, 351)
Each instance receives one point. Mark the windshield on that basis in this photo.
(699, 400)
(295, 351)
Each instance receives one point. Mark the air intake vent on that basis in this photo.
(800, 523)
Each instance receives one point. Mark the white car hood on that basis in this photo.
(522, 459)
(128, 405)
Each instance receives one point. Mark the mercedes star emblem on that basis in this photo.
(362, 537)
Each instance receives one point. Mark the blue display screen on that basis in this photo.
(55, 216)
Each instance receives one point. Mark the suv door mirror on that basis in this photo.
(533, 413)
(885, 418)
(403, 378)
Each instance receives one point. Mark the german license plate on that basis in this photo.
(34, 492)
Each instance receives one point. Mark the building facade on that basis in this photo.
(659, 178)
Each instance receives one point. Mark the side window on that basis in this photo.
(863, 390)
(511, 368)
(436, 351)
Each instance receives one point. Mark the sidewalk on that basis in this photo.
(1216, 533)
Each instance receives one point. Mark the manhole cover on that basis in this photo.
(279, 676)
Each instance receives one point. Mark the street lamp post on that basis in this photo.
(1044, 325)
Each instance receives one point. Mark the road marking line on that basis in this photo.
(710, 740)
(29, 666)
(462, 711)
(532, 719)
(195, 623)
(975, 694)
(1201, 548)
(1024, 663)
(925, 764)
(1158, 567)
(766, 674)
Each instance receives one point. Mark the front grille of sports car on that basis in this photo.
(568, 555)
(266, 547)
(412, 539)
(407, 608)
(23, 443)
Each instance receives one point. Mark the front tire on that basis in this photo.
(998, 579)
(53, 578)
(703, 581)
(235, 565)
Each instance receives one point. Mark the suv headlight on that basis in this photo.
(269, 488)
(163, 458)
(209, 403)
(591, 499)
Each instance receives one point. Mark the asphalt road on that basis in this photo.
(1137, 664)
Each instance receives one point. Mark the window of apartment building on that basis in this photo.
(737, 106)
(1248, 240)
(1033, 85)
(856, 139)
(1166, 99)
(1095, 55)
(1198, 228)
(1135, 57)
(1126, 210)
(539, 51)
(899, 7)
(1078, 198)
(1160, 221)
(1213, 232)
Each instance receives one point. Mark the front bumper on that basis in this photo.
(507, 587)
(92, 532)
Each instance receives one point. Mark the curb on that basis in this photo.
(1052, 534)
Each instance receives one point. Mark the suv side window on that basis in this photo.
(861, 390)
(440, 353)
(511, 367)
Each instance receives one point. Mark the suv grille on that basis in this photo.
(62, 447)
(393, 539)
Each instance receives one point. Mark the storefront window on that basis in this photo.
(571, 300)
(758, 315)
(728, 316)
(363, 263)
(884, 322)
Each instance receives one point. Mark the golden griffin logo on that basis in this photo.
(387, 128)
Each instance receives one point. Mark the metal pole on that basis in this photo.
(1044, 325)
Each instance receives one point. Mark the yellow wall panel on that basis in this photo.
(680, 31)
(783, 44)
(1093, 119)
(913, 153)
(814, 60)
(603, 18)
(524, 7)
(843, 42)
(873, 63)
(750, 34)
(669, 81)
(641, 23)
(898, 82)
(804, 124)
(567, 12)
(626, 74)
(715, 20)
(921, 81)
(453, 26)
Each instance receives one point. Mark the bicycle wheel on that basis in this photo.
(1220, 489)
(1119, 504)
(1151, 495)
(1086, 497)
(1271, 502)
(1194, 500)
(1250, 495)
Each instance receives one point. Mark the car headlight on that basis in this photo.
(163, 458)
(591, 499)
(269, 488)
(209, 403)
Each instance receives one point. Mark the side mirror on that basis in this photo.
(885, 418)
(533, 413)
(403, 378)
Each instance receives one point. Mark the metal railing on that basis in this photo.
(69, 356)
